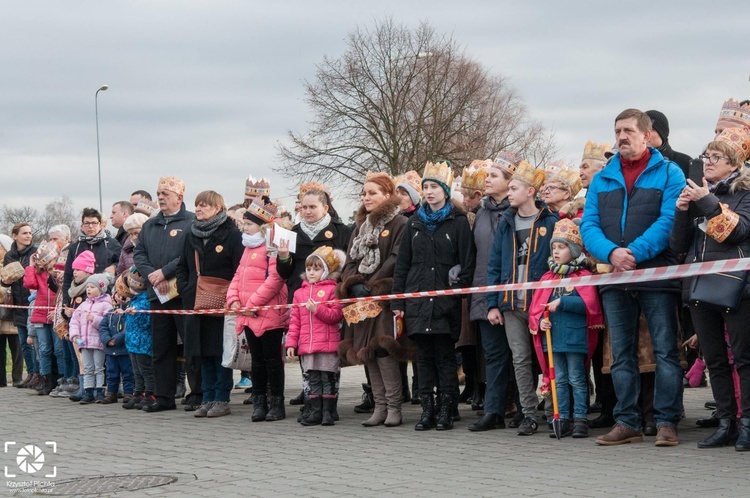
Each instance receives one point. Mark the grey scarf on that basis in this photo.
(93, 240)
(204, 229)
(313, 229)
(365, 244)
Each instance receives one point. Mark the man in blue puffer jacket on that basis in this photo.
(630, 206)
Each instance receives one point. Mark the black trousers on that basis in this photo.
(709, 326)
(268, 364)
(14, 349)
(164, 330)
(436, 364)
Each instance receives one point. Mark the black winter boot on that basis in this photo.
(260, 407)
(316, 411)
(305, 410)
(130, 404)
(427, 420)
(368, 403)
(328, 409)
(725, 435)
(743, 441)
(445, 416)
(276, 410)
(580, 428)
(88, 396)
(299, 399)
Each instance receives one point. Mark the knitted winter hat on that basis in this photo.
(121, 287)
(100, 281)
(567, 232)
(136, 282)
(134, 221)
(660, 124)
(6, 242)
(86, 261)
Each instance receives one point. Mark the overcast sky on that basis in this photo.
(204, 90)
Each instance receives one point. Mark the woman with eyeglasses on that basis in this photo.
(721, 231)
(561, 187)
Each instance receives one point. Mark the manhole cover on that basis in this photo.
(109, 484)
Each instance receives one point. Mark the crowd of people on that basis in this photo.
(79, 322)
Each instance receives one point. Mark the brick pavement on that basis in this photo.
(231, 456)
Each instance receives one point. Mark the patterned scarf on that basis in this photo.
(204, 229)
(712, 187)
(94, 239)
(568, 268)
(313, 229)
(365, 244)
(432, 219)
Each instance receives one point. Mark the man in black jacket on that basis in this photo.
(159, 247)
(660, 141)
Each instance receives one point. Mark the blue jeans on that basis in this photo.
(622, 310)
(119, 366)
(49, 344)
(27, 350)
(70, 360)
(497, 359)
(217, 380)
(570, 372)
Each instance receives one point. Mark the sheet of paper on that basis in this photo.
(282, 233)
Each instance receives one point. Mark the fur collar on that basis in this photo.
(379, 213)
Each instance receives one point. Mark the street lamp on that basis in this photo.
(98, 159)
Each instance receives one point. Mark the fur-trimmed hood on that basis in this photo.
(380, 213)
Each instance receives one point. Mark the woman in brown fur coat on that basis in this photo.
(369, 336)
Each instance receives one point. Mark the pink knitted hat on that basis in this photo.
(86, 261)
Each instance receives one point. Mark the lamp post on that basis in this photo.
(98, 159)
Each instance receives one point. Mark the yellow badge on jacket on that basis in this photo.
(321, 293)
(173, 233)
(219, 248)
(385, 233)
(254, 255)
(542, 231)
(328, 234)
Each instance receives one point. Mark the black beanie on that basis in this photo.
(660, 124)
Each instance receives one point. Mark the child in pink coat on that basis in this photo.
(84, 331)
(314, 331)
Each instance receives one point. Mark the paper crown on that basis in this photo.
(554, 168)
(440, 171)
(571, 179)
(136, 282)
(506, 162)
(332, 258)
(567, 230)
(527, 173)
(146, 207)
(173, 184)
(473, 177)
(256, 188)
(306, 187)
(122, 288)
(733, 112)
(259, 209)
(412, 179)
(738, 140)
(47, 254)
(595, 151)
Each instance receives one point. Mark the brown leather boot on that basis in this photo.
(620, 435)
(110, 398)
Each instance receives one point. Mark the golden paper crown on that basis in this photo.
(506, 162)
(571, 179)
(566, 229)
(122, 288)
(256, 188)
(595, 151)
(412, 179)
(306, 187)
(173, 184)
(554, 168)
(332, 258)
(738, 140)
(147, 207)
(530, 175)
(733, 112)
(259, 209)
(473, 177)
(440, 171)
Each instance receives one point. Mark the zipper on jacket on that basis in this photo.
(310, 319)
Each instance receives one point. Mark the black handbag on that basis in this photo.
(718, 291)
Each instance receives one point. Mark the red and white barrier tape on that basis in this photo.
(619, 278)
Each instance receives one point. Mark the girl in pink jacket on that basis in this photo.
(256, 283)
(84, 331)
(314, 332)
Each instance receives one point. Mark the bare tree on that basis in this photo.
(56, 212)
(398, 98)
